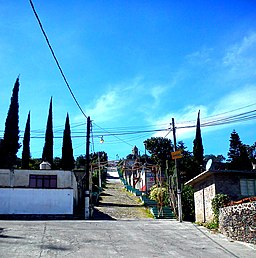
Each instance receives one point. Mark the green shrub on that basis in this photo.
(188, 205)
(219, 201)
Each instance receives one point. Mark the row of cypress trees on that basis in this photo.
(9, 145)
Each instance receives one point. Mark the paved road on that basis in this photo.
(115, 238)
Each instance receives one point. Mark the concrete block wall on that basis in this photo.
(239, 222)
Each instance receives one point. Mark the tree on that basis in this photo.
(218, 158)
(160, 149)
(94, 157)
(10, 143)
(198, 150)
(26, 145)
(67, 149)
(57, 163)
(187, 166)
(251, 150)
(80, 161)
(238, 158)
(48, 146)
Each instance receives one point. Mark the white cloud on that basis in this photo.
(236, 53)
(236, 102)
(201, 57)
(116, 101)
(239, 60)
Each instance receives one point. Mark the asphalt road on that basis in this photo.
(115, 238)
(120, 238)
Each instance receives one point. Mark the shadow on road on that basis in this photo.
(112, 177)
(98, 215)
(108, 204)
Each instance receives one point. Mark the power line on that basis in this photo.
(55, 58)
(60, 69)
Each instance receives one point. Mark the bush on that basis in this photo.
(188, 205)
(219, 201)
(159, 194)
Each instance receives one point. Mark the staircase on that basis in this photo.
(164, 213)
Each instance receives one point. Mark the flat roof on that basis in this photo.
(209, 173)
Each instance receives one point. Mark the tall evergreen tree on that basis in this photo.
(10, 143)
(67, 149)
(234, 148)
(238, 157)
(26, 145)
(198, 150)
(48, 145)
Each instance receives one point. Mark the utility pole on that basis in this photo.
(177, 173)
(87, 171)
(99, 170)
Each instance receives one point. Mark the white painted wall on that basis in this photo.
(20, 177)
(36, 201)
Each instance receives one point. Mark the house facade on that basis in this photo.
(37, 192)
(236, 184)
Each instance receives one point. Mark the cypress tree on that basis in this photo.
(10, 143)
(198, 150)
(67, 149)
(48, 145)
(26, 145)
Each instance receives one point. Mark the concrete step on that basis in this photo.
(162, 213)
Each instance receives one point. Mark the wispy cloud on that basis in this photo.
(200, 57)
(234, 103)
(244, 50)
(240, 58)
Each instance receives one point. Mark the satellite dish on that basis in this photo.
(208, 165)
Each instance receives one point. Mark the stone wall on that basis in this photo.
(203, 195)
(239, 222)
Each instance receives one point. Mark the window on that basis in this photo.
(248, 187)
(43, 181)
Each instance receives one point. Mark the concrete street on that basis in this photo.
(120, 238)
(116, 237)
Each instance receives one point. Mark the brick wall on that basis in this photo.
(239, 222)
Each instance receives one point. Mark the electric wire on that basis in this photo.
(60, 69)
(233, 119)
(55, 58)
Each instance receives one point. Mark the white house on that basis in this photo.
(37, 192)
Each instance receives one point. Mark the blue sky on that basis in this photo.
(132, 65)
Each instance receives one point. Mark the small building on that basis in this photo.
(37, 192)
(236, 184)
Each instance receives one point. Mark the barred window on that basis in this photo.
(43, 181)
(248, 187)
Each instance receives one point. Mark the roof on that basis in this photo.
(208, 173)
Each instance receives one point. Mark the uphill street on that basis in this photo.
(121, 228)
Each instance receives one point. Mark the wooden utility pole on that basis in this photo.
(87, 171)
(177, 173)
